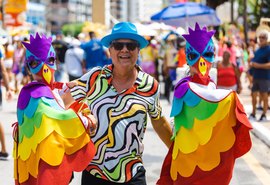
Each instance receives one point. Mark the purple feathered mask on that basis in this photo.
(200, 51)
(40, 57)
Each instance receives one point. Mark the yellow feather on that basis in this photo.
(219, 138)
(51, 150)
(72, 129)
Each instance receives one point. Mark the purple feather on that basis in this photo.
(34, 90)
(39, 46)
(180, 92)
(198, 38)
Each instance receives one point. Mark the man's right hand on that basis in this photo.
(92, 124)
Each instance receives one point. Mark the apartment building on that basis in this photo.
(53, 14)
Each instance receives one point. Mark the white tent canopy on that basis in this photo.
(145, 30)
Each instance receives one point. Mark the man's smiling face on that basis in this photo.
(124, 52)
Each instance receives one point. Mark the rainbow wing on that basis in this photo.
(210, 131)
(52, 142)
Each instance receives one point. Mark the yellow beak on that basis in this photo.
(202, 66)
(47, 74)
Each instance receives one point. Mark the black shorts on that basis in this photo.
(260, 85)
(138, 179)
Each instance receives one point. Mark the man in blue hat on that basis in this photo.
(120, 97)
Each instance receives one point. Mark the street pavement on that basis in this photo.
(260, 129)
(154, 151)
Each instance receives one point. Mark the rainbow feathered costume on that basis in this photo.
(211, 128)
(51, 141)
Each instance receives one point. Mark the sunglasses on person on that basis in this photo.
(262, 37)
(131, 46)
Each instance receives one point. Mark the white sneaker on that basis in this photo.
(4, 156)
(252, 117)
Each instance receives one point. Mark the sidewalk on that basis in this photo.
(260, 129)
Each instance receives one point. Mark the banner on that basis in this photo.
(15, 6)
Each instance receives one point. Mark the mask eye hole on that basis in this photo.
(33, 64)
(50, 61)
(192, 56)
(208, 54)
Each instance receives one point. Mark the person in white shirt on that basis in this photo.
(73, 60)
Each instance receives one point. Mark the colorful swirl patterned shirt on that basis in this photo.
(122, 119)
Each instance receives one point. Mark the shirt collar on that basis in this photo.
(107, 72)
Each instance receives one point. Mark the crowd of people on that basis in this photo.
(121, 75)
(161, 59)
(252, 61)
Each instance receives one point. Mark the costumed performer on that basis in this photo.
(211, 128)
(50, 141)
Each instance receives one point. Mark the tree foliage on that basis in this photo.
(256, 9)
(72, 29)
(265, 8)
(215, 3)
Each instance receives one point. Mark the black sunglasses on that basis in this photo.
(262, 37)
(129, 45)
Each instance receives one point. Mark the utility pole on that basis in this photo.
(232, 11)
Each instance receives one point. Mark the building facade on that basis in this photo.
(51, 15)
(60, 12)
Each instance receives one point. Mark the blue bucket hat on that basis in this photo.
(124, 30)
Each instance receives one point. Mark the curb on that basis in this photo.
(261, 132)
(259, 129)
